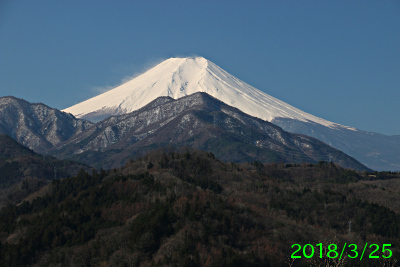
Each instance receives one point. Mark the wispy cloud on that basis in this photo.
(101, 89)
(137, 71)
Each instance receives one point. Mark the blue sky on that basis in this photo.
(338, 60)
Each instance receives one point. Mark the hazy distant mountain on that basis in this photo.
(36, 125)
(377, 151)
(178, 77)
(198, 121)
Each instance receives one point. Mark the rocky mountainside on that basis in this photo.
(178, 77)
(199, 121)
(36, 125)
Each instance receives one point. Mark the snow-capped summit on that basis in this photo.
(178, 77)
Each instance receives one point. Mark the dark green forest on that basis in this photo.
(187, 208)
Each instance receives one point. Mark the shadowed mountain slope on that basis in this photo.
(23, 171)
(199, 121)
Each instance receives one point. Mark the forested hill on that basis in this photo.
(9, 148)
(22, 171)
(187, 208)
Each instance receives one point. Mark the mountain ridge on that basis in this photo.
(37, 125)
(177, 77)
(200, 121)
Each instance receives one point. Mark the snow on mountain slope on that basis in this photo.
(178, 77)
(198, 121)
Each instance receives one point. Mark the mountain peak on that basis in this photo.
(174, 77)
(189, 59)
(178, 77)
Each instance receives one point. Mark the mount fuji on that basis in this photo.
(179, 77)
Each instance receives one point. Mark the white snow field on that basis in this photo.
(178, 77)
